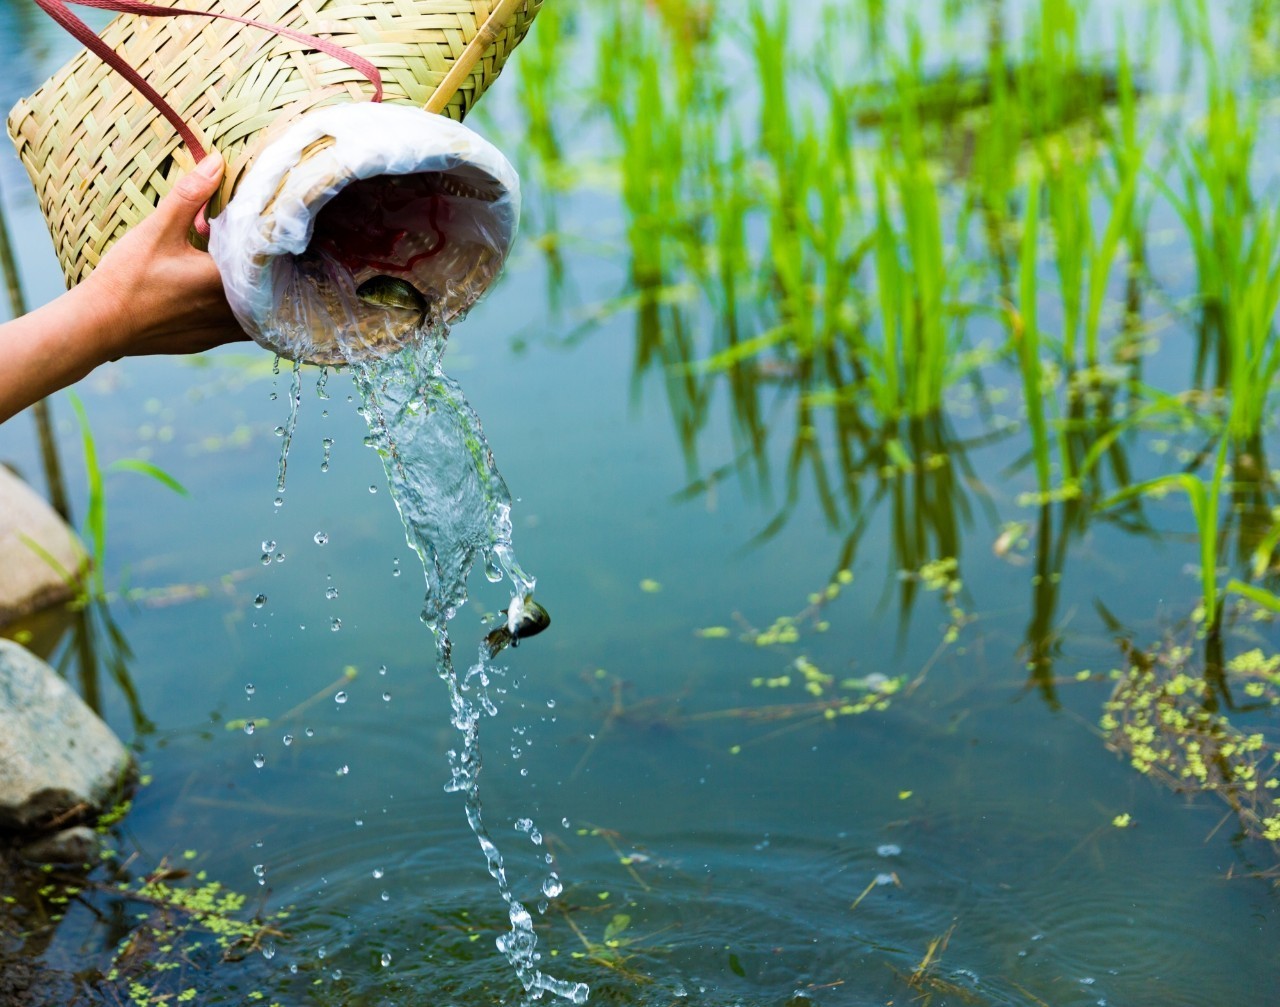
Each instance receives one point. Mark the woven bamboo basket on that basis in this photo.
(100, 156)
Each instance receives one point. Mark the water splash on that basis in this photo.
(295, 399)
(441, 473)
(456, 509)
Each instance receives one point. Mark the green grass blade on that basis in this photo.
(96, 516)
(147, 469)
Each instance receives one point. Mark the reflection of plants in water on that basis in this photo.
(780, 254)
(1165, 716)
(97, 642)
(785, 265)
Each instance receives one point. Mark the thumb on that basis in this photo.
(180, 206)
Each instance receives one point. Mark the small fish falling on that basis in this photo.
(525, 618)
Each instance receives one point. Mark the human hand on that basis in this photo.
(153, 292)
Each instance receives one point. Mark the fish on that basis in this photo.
(525, 618)
(392, 292)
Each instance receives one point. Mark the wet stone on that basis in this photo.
(58, 761)
(28, 580)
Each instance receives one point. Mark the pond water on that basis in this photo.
(821, 713)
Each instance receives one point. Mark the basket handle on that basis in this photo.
(61, 13)
(470, 56)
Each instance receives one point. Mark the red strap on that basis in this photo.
(59, 11)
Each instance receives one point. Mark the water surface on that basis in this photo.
(720, 838)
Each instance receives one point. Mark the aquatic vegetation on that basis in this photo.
(831, 696)
(95, 524)
(976, 300)
(926, 981)
(174, 925)
(1165, 716)
(349, 675)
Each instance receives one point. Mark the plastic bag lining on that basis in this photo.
(351, 196)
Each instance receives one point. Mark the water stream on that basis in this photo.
(456, 509)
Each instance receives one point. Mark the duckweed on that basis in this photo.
(1166, 717)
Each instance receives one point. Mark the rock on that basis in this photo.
(28, 581)
(79, 845)
(59, 762)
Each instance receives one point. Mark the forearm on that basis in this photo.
(50, 348)
(151, 293)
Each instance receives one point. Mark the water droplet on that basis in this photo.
(373, 488)
(266, 559)
(288, 739)
(274, 396)
(395, 568)
(261, 599)
(248, 727)
(320, 538)
(337, 974)
(321, 952)
(386, 697)
(293, 968)
(552, 887)
(385, 896)
(278, 501)
(378, 872)
(249, 690)
(269, 546)
(385, 959)
(551, 704)
(382, 670)
(524, 824)
(260, 870)
(565, 822)
(279, 431)
(341, 697)
(331, 593)
(888, 850)
(310, 732)
(359, 822)
(335, 624)
(343, 770)
(535, 837)
(524, 771)
(259, 760)
(268, 951)
(279, 557)
(328, 442)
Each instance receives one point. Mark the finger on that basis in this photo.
(177, 210)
